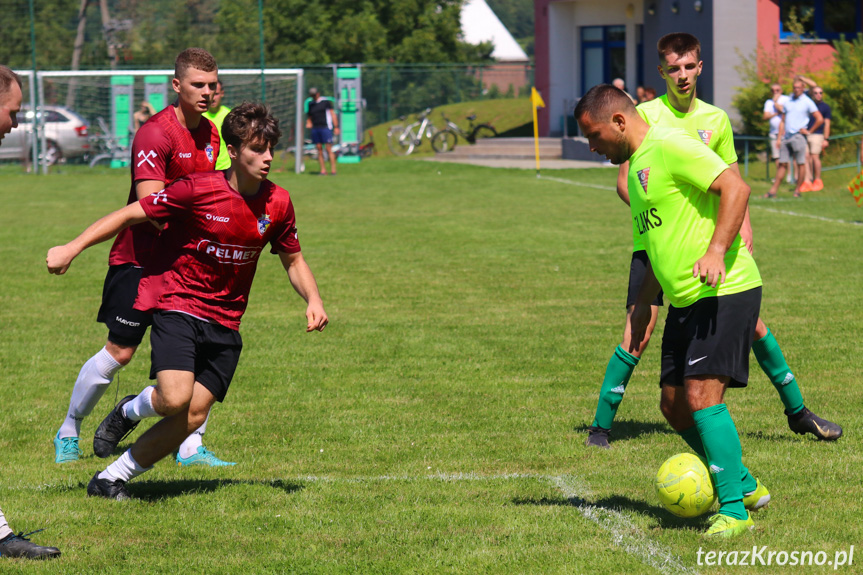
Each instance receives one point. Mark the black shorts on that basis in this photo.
(185, 343)
(637, 270)
(126, 325)
(713, 336)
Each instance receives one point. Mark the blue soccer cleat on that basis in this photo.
(66, 449)
(203, 457)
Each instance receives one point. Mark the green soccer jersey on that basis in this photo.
(708, 123)
(223, 161)
(674, 215)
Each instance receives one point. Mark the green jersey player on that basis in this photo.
(680, 65)
(688, 207)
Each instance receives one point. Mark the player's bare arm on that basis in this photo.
(303, 281)
(641, 311)
(622, 175)
(733, 200)
(60, 257)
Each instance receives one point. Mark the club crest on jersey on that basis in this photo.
(705, 136)
(642, 178)
(209, 151)
(263, 223)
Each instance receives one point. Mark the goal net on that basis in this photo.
(106, 101)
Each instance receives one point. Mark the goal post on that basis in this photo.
(107, 99)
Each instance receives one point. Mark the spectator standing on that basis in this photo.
(818, 139)
(621, 85)
(773, 113)
(140, 117)
(794, 127)
(321, 120)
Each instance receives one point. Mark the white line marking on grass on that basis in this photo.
(774, 210)
(624, 533)
(810, 216)
(571, 183)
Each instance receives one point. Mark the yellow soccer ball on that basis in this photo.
(684, 485)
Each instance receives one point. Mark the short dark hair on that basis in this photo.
(602, 101)
(250, 122)
(7, 76)
(679, 43)
(196, 58)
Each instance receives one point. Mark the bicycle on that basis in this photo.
(403, 140)
(446, 139)
(106, 148)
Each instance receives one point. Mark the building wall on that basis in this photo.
(815, 56)
(558, 49)
(734, 37)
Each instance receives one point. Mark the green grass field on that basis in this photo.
(436, 426)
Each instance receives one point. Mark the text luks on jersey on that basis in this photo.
(647, 220)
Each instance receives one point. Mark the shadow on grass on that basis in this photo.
(167, 488)
(164, 488)
(619, 503)
(786, 436)
(629, 429)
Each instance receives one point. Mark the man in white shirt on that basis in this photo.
(794, 128)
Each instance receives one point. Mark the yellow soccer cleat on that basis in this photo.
(726, 526)
(756, 499)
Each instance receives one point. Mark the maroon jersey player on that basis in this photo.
(197, 286)
(174, 143)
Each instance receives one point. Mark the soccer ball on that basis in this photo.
(684, 485)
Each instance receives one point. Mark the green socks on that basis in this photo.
(693, 440)
(722, 446)
(617, 374)
(771, 360)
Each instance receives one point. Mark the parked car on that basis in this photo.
(65, 134)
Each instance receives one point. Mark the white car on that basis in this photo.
(66, 135)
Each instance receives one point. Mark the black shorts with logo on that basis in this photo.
(126, 325)
(637, 271)
(185, 343)
(713, 336)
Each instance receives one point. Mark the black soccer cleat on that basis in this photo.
(108, 489)
(597, 437)
(113, 429)
(805, 421)
(20, 546)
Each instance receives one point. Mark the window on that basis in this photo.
(603, 55)
(820, 19)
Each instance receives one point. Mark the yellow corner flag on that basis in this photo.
(536, 102)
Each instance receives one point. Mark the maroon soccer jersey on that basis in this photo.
(204, 261)
(163, 150)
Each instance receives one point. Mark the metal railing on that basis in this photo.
(833, 138)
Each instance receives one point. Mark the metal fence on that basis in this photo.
(843, 152)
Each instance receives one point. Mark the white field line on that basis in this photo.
(810, 216)
(579, 184)
(766, 209)
(624, 533)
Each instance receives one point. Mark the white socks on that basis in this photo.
(124, 469)
(142, 406)
(4, 527)
(194, 441)
(93, 380)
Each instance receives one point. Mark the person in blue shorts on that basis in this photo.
(321, 119)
